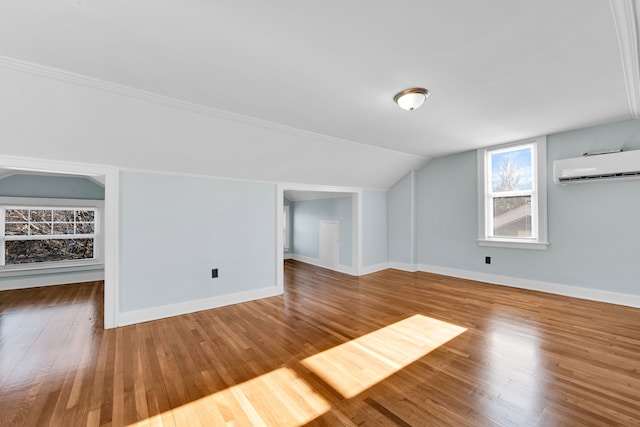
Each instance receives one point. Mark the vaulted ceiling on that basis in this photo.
(498, 70)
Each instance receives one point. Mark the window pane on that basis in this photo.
(84, 216)
(41, 216)
(512, 216)
(16, 229)
(63, 215)
(33, 251)
(40, 228)
(63, 228)
(512, 170)
(85, 228)
(16, 215)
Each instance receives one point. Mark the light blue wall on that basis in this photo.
(289, 203)
(374, 228)
(446, 213)
(594, 228)
(400, 224)
(307, 215)
(55, 187)
(174, 230)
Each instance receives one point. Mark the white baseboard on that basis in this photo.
(412, 268)
(374, 268)
(155, 313)
(315, 261)
(145, 315)
(36, 281)
(628, 300)
(288, 255)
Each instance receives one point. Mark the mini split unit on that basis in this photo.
(589, 168)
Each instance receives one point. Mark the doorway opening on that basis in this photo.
(324, 226)
(105, 175)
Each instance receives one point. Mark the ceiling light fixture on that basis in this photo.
(413, 98)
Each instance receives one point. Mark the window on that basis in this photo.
(37, 235)
(285, 220)
(512, 195)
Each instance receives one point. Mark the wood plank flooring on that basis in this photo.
(388, 349)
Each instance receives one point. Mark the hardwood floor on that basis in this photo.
(387, 349)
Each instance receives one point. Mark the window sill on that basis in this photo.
(21, 270)
(514, 244)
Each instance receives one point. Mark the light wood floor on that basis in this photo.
(391, 348)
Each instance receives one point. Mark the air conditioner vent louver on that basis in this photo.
(596, 177)
(616, 166)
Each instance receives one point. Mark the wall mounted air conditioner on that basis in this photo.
(614, 166)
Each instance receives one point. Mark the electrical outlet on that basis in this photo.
(487, 260)
(214, 273)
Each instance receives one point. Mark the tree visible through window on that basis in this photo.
(512, 191)
(41, 235)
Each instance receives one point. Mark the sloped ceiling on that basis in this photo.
(7, 172)
(498, 70)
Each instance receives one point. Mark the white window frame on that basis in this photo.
(538, 197)
(286, 221)
(53, 266)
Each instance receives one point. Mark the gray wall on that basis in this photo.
(54, 187)
(594, 228)
(175, 229)
(374, 228)
(401, 232)
(307, 215)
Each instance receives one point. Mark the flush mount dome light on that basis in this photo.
(413, 98)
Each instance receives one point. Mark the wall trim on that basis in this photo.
(315, 261)
(288, 255)
(374, 268)
(36, 281)
(411, 268)
(192, 175)
(186, 307)
(628, 300)
(626, 22)
(50, 270)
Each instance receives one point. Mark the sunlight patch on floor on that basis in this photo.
(354, 366)
(277, 398)
(282, 398)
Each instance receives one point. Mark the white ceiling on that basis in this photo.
(498, 70)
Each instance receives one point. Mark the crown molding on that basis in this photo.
(626, 18)
(115, 88)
